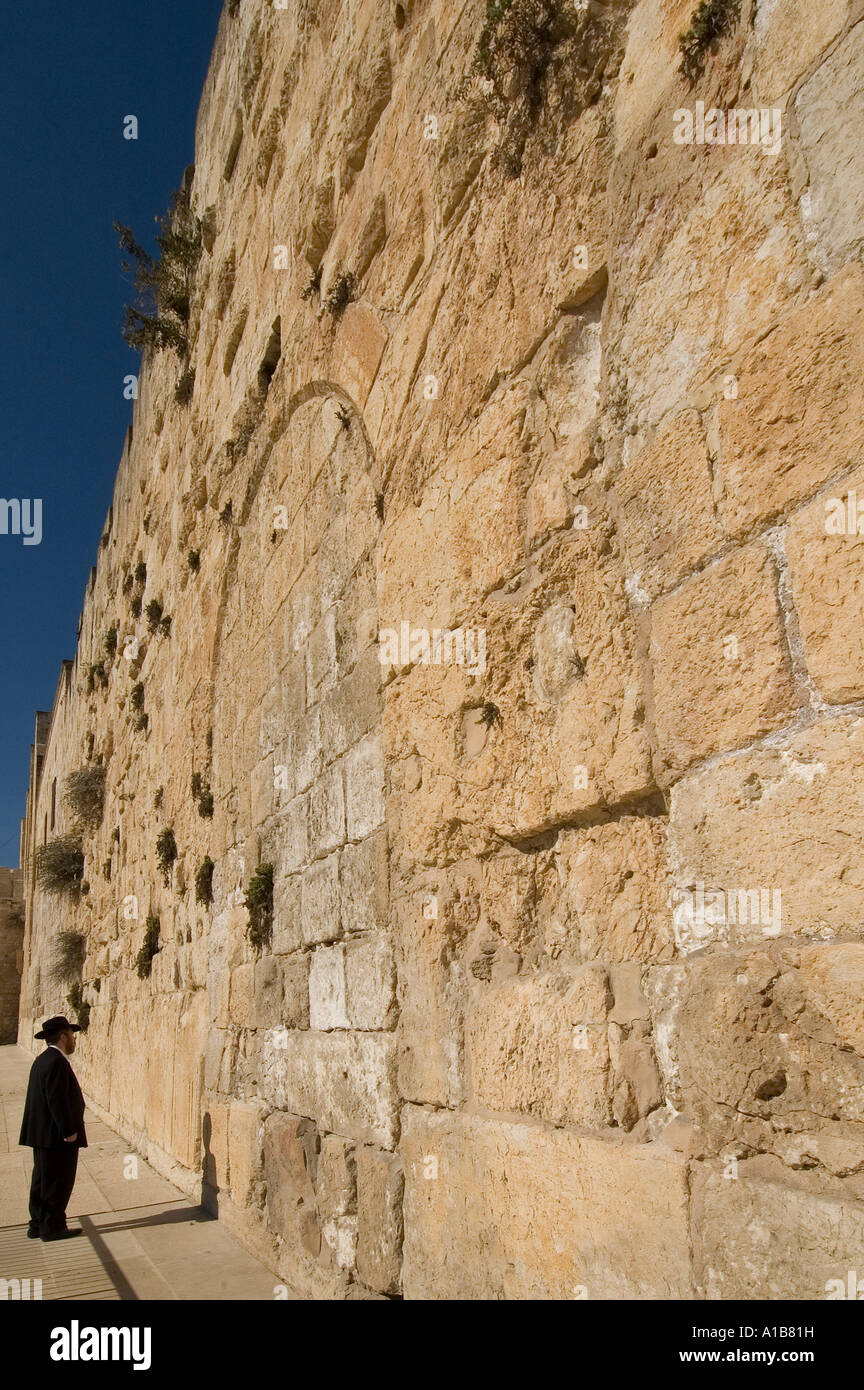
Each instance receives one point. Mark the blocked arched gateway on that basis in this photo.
(301, 1044)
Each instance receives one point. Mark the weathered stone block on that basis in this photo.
(380, 1186)
(785, 820)
(364, 788)
(500, 1210)
(432, 924)
(327, 1008)
(287, 913)
(244, 1151)
(800, 401)
(295, 991)
(370, 984)
(241, 995)
(753, 1233)
(363, 876)
(758, 1051)
(321, 919)
(327, 812)
(336, 1180)
(722, 674)
(667, 507)
(345, 1081)
(833, 206)
(789, 39)
(532, 1046)
(615, 899)
(828, 588)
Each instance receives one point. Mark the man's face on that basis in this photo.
(67, 1042)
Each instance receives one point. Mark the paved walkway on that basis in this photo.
(159, 1248)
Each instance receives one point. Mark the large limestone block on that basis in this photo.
(327, 1006)
(827, 566)
(790, 35)
(363, 877)
(556, 727)
(537, 1046)
(722, 673)
(320, 904)
(762, 1052)
(290, 1160)
(615, 900)
(765, 1240)
(833, 205)
(244, 1151)
(785, 819)
(667, 508)
(432, 926)
(498, 1210)
(364, 788)
(344, 1081)
(797, 418)
(709, 256)
(380, 1186)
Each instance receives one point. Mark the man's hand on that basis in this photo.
(71, 1139)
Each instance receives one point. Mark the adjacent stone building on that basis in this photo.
(497, 580)
(11, 950)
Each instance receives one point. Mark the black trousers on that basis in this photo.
(51, 1187)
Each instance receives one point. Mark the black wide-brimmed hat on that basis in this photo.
(58, 1024)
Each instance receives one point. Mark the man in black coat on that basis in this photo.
(53, 1126)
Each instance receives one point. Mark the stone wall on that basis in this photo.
(11, 950)
(510, 625)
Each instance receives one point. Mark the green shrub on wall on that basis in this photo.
(259, 902)
(84, 794)
(60, 865)
(144, 959)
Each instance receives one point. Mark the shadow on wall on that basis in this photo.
(210, 1176)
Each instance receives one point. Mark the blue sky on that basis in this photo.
(69, 74)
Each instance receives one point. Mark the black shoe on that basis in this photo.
(31, 1234)
(63, 1235)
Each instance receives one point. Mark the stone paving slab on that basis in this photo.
(143, 1240)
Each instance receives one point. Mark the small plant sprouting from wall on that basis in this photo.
(490, 714)
(194, 561)
(204, 881)
(159, 316)
(84, 794)
(97, 675)
(79, 1006)
(166, 853)
(202, 795)
(111, 641)
(135, 606)
(153, 612)
(136, 697)
(140, 574)
(341, 294)
(60, 865)
(165, 626)
(185, 386)
(313, 286)
(226, 516)
(158, 797)
(68, 961)
(512, 57)
(144, 959)
(259, 903)
(712, 20)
